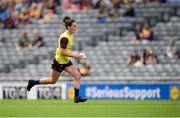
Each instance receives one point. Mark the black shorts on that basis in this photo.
(60, 67)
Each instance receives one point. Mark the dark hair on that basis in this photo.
(68, 21)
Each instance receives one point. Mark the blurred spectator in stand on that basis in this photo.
(20, 11)
(130, 11)
(133, 58)
(147, 34)
(132, 1)
(125, 1)
(146, 57)
(71, 5)
(26, 11)
(117, 3)
(58, 2)
(49, 10)
(85, 70)
(172, 51)
(11, 22)
(4, 13)
(151, 1)
(162, 1)
(2, 40)
(85, 5)
(22, 6)
(113, 8)
(137, 37)
(66, 4)
(25, 17)
(24, 41)
(51, 5)
(34, 1)
(173, 1)
(35, 13)
(102, 12)
(178, 54)
(97, 4)
(143, 58)
(151, 57)
(11, 6)
(38, 40)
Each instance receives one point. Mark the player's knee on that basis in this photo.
(52, 81)
(78, 76)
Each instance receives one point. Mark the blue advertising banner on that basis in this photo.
(134, 91)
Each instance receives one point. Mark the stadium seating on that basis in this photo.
(107, 46)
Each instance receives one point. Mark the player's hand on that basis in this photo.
(78, 56)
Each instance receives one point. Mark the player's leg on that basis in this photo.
(73, 71)
(50, 80)
(56, 72)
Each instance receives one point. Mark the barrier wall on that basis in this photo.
(17, 90)
(134, 92)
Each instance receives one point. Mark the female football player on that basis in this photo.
(62, 60)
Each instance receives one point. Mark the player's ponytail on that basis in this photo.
(68, 21)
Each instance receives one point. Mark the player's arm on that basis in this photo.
(64, 52)
(70, 54)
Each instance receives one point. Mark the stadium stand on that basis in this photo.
(106, 45)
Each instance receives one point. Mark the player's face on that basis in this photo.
(73, 27)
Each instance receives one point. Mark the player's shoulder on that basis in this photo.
(64, 34)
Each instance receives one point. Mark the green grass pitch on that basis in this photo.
(92, 108)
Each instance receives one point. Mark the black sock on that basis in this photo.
(36, 82)
(76, 92)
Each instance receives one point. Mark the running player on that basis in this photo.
(62, 61)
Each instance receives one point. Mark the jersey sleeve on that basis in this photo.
(63, 42)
